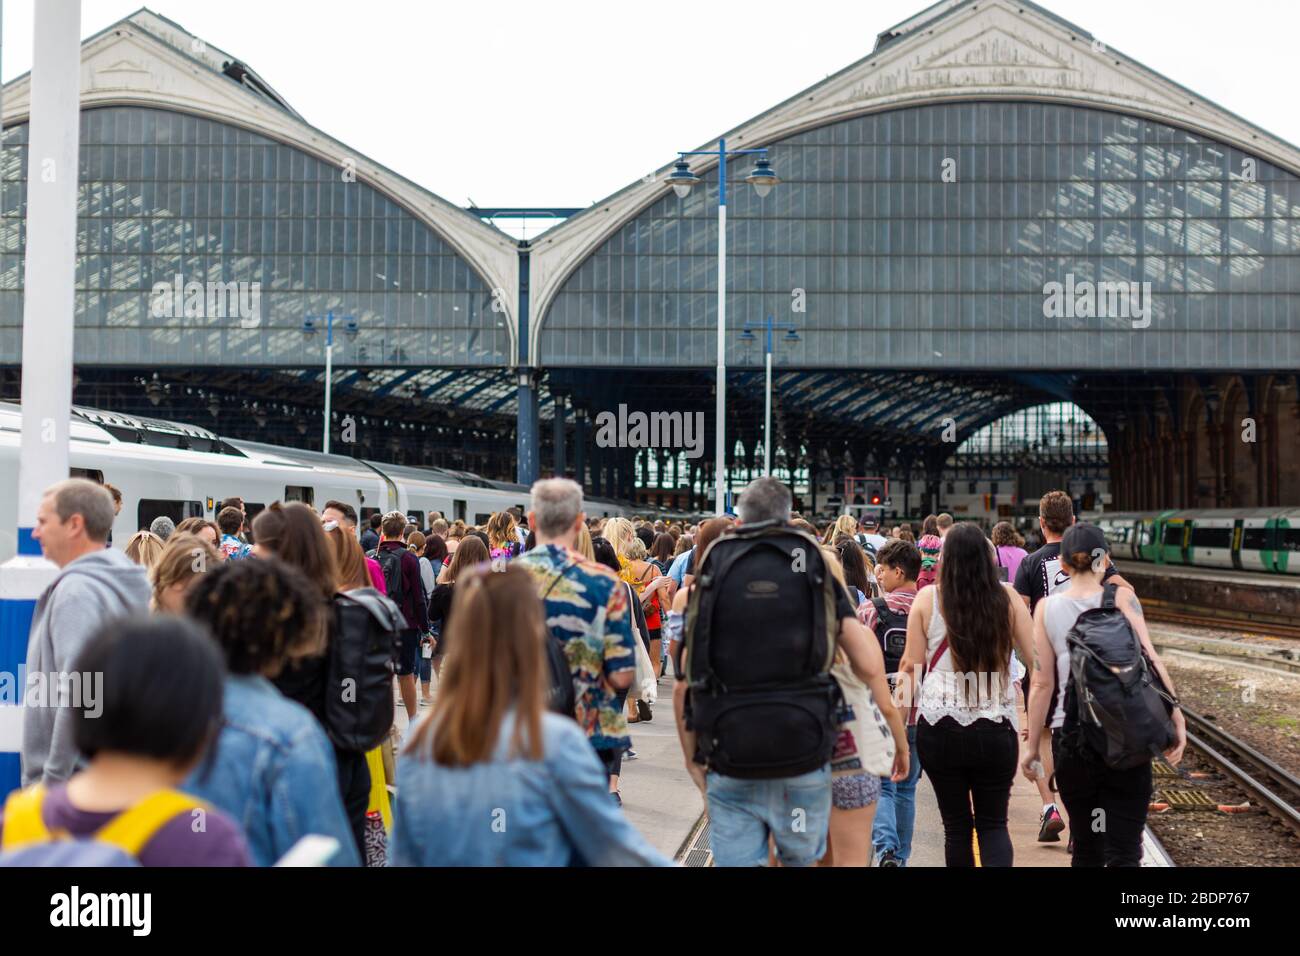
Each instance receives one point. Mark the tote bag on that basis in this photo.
(864, 742)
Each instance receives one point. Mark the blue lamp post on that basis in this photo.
(309, 329)
(762, 178)
(790, 336)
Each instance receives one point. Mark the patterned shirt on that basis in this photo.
(587, 609)
(233, 548)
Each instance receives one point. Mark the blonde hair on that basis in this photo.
(144, 548)
(349, 560)
(583, 545)
(635, 550)
(183, 557)
(844, 524)
(500, 530)
(619, 532)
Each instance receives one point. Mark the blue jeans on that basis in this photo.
(794, 811)
(896, 810)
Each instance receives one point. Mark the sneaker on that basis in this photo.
(631, 755)
(889, 858)
(1050, 826)
(618, 798)
(426, 701)
(643, 711)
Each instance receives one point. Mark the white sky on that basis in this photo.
(566, 101)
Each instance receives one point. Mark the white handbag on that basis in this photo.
(864, 735)
(645, 686)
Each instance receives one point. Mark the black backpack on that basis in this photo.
(390, 563)
(761, 634)
(891, 631)
(1114, 704)
(359, 681)
(561, 698)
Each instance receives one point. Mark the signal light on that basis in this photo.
(875, 499)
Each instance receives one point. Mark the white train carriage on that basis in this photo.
(184, 471)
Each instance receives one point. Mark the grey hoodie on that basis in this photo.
(88, 591)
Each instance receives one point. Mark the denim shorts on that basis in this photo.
(794, 811)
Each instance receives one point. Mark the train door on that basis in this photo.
(1286, 537)
(1257, 544)
(458, 509)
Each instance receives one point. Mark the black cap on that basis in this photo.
(1084, 539)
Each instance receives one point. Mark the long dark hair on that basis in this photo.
(975, 605)
(853, 559)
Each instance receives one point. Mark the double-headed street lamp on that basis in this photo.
(309, 330)
(790, 336)
(762, 178)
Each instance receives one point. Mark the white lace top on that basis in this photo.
(965, 698)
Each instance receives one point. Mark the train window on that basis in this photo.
(178, 511)
(416, 518)
(481, 518)
(1255, 539)
(94, 474)
(1173, 535)
(365, 516)
(1288, 539)
(458, 510)
(304, 493)
(1212, 538)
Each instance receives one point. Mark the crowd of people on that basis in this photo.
(252, 672)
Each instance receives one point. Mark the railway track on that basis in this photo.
(1276, 789)
(1223, 619)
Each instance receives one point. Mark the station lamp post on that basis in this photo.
(762, 177)
(790, 336)
(309, 330)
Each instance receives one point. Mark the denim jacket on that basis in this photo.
(272, 770)
(507, 811)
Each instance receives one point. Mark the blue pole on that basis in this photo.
(48, 304)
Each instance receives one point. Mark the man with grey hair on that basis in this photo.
(163, 527)
(588, 612)
(764, 499)
(95, 584)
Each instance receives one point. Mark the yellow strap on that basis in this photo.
(131, 829)
(23, 823)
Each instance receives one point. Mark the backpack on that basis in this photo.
(359, 671)
(761, 632)
(561, 698)
(390, 563)
(868, 548)
(891, 631)
(28, 842)
(1114, 705)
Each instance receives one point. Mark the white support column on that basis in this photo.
(48, 303)
(721, 448)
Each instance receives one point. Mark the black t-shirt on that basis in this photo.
(1040, 574)
(843, 606)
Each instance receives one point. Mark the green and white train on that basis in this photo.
(1251, 539)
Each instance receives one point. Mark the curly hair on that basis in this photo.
(261, 613)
